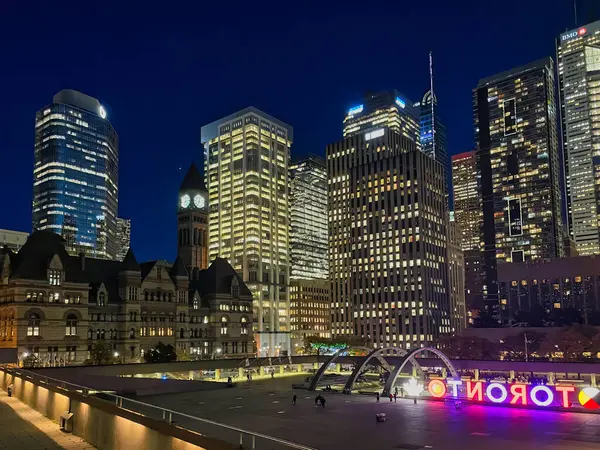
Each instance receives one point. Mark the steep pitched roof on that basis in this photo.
(178, 269)
(129, 262)
(146, 267)
(98, 271)
(32, 260)
(217, 279)
(193, 180)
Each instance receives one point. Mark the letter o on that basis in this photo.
(490, 388)
(534, 399)
(436, 388)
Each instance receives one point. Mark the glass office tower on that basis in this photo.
(76, 174)
(308, 211)
(516, 135)
(579, 80)
(246, 167)
(434, 141)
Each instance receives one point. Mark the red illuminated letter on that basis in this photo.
(475, 390)
(519, 394)
(437, 388)
(565, 393)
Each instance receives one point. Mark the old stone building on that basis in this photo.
(56, 306)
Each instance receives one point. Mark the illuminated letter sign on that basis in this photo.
(535, 396)
(519, 393)
(516, 394)
(437, 388)
(400, 103)
(477, 390)
(489, 392)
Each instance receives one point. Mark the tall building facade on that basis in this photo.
(466, 183)
(246, 167)
(456, 270)
(76, 174)
(516, 135)
(192, 222)
(579, 80)
(310, 310)
(386, 109)
(123, 237)
(308, 219)
(433, 137)
(387, 236)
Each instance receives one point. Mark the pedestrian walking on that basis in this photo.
(377, 395)
(273, 374)
(396, 397)
(391, 397)
(415, 400)
(323, 402)
(396, 390)
(248, 376)
(294, 400)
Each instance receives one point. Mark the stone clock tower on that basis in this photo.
(192, 221)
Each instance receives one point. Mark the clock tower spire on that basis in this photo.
(192, 221)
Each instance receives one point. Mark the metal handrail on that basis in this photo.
(167, 414)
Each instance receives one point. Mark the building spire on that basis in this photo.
(432, 106)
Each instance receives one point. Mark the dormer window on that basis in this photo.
(235, 288)
(101, 299)
(54, 277)
(196, 303)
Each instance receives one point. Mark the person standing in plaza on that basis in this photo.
(377, 396)
(294, 400)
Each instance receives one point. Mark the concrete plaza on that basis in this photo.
(348, 422)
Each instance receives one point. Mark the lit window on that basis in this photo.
(71, 328)
(33, 325)
(54, 277)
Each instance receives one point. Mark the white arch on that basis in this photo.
(392, 378)
(315, 380)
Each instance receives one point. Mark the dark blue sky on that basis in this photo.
(163, 73)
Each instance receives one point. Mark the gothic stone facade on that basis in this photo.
(57, 306)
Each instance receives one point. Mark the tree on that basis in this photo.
(486, 319)
(161, 354)
(316, 344)
(468, 347)
(569, 342)
(100, 353)
(31, 361)
(514, 345)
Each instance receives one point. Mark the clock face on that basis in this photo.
(185, 201)
(199, 201)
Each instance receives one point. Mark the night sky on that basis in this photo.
(163, 73)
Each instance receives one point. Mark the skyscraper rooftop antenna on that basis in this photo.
(432, 99)
(575, 12)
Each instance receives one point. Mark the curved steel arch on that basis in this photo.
(392, 378)
(315, 380)
(377, 353)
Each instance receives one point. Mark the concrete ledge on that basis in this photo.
(103, 424)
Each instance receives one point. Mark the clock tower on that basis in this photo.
(192, 221)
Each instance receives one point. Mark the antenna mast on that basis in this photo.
(432, 106)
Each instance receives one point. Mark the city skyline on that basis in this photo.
(133, 111)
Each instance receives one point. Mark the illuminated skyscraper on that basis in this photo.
(123, 237)
(515, 127)
(466, 182)
(434, 141)
(388, 257)
(579, 81)
(76, 174)
(246, 165)
(308, 211)
(456, 270)
(387, 109)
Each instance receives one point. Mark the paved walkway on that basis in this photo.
(24, 428)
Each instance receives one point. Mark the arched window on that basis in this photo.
(33, 325)
(102, 334)
(101, 299)
(196, 302)
(132, 333)
(146, 295)
(244, 329)
(90, 333)
(98, 334)
(191, 333)
(224, 325)
(71, 328)
(181, 333)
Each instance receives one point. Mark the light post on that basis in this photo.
(526, 352)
